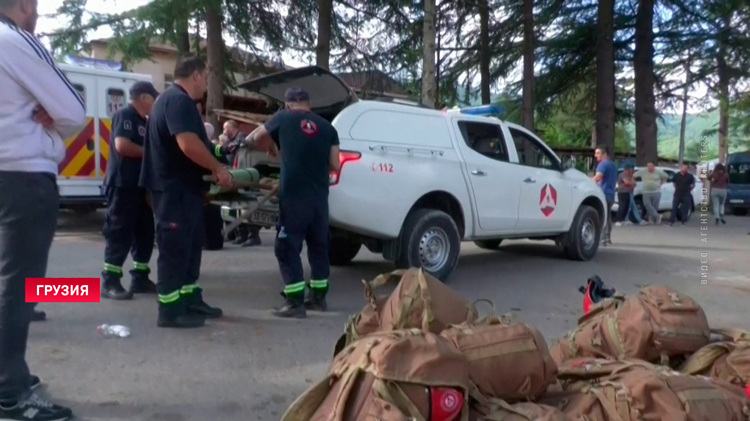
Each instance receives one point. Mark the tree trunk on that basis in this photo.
(605, 76)
(722, 70)
(528, 64)
(645, 108)
(323, 49)
(181, 28)
(215, 53)
(685, 98)
(429, 88)
(484, 50)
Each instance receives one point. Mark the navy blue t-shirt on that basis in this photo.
(165, 166)
(304, 140)
(123, 171)
(608, 170)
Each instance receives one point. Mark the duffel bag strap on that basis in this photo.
(609, 406)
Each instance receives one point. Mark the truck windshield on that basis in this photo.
(739, 173)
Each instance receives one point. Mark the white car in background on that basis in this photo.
(667, 192)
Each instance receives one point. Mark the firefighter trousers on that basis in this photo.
(128, 228)
(303, 221)
(179, 236)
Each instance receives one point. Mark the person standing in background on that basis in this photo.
(625, 188)
(684, 182)
(606, 177)
(39, 107)
(129, 223)
(719, 181)
(651, 182)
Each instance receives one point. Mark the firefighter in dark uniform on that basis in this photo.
(129, 223)
(309, 150)
(177, 154)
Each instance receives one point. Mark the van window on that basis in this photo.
(81, 90)
(484, 138)
(115, 101)
(401, 127)
(531, 153)
(739, 173)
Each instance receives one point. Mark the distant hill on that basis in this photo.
(668, 126)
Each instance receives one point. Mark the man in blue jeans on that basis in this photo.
(606, 177)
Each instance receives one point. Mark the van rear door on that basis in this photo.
(77, 172)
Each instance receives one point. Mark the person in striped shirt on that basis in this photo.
(38, 109)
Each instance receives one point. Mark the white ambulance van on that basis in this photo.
(81, 173)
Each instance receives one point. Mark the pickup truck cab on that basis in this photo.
(416, 182)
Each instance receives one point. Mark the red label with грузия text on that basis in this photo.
(63, 290)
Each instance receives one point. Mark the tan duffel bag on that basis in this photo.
(653, 325)
(507, 360)
(727, 360)
(363, 323)
(631, 390)
(422, 301)
(499, 410)
(386, 376)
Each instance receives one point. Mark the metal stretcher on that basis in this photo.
(243, 205)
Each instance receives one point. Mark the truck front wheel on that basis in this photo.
(342, 250)
(430, 240)
(582, 241)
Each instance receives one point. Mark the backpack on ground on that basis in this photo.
(422, 301)
(507, 360)
(389, 376)
(653, 325)
(727, 360)
(363, 323)
(631, 390)
(499, 410)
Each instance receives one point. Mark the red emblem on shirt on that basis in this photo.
(309, 128)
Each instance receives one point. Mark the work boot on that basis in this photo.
(291, 309)
(195, 305)
(38, 316)
(253, 240)
(112, 288)
(175, 315)
(140, 283)
(316, 302)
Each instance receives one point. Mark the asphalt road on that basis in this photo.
(250, 366)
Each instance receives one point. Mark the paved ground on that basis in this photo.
(250, 366)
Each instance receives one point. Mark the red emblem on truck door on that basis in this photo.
(548, 200)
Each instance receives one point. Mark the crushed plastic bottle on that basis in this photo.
(111, 331)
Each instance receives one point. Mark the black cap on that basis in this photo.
(296, 94)
(140, 88)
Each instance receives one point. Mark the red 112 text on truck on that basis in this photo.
(415, 182)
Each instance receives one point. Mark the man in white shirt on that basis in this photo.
(38, 109)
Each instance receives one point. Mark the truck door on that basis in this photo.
(114, 94)
(78, 169)
(546, 194)
(491, 176)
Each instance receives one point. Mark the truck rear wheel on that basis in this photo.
(582, 241)
(488, 244)
(430, 240)
(342, 250)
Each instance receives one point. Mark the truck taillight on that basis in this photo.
(344, 157)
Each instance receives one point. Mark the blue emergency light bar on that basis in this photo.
(489, 110)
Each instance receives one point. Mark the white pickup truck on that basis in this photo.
(415, 182)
